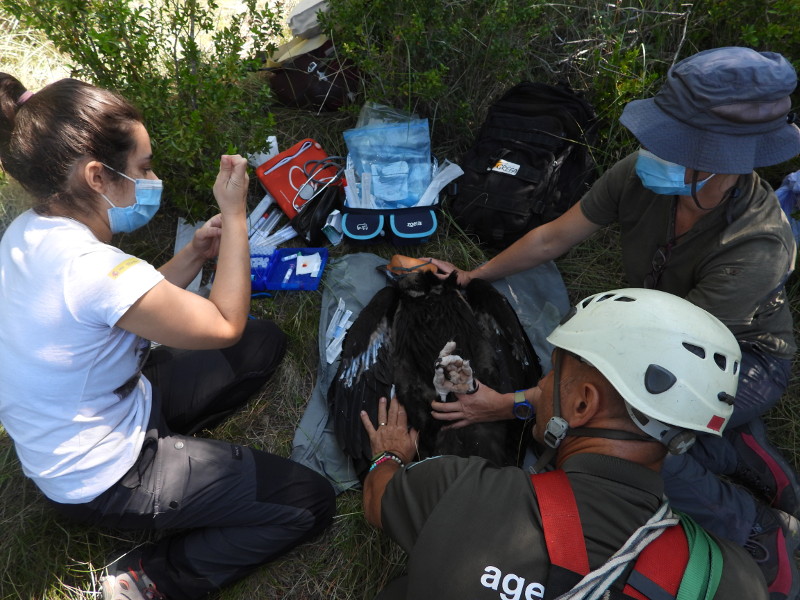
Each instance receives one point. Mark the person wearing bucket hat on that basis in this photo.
(720, 111)
(697, 221)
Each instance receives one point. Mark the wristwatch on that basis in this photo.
(522, 408)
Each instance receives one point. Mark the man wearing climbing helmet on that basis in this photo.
(636, 373)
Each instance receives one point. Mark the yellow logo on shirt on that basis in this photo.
(123, 266)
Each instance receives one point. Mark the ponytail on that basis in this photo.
(47, 136)
(11, 91)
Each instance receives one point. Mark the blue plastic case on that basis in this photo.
(280, 274)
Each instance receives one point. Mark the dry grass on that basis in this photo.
(29, 54)
(43, 557)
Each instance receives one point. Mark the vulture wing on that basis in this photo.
(516, 359)
(365, 374)
(396, 340)
(517, 364)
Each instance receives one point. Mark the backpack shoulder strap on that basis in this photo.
(704, 569)
(561, 522)
(682, 563)
(660, 567)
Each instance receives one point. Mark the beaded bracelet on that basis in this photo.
(385, 456)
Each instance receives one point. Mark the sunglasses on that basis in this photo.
(657, 265)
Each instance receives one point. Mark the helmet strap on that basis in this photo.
(610, 434)
(557, 427)
(676, 440)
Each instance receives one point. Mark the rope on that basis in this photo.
(594, 584)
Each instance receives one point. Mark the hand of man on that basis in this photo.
(392, 434)
(482, 406)
(445, 268)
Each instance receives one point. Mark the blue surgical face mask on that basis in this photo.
(124, 219)
(663, 177)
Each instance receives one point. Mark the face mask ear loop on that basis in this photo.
(694, 190)
(695, 177)
(110, 203)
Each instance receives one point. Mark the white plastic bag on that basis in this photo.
(391, 162)
(789, 198)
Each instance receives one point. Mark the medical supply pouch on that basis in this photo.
(388, 165)
(401, 227)
(530, 162)
(296, 175)
(288, 269)
(391, 192)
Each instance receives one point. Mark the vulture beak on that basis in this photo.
(400, 266)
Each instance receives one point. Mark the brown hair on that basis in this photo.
(45, 139)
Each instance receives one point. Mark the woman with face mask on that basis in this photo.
(102, 423)
(695, 220)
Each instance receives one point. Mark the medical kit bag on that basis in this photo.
(389, 173)
(295, 176)
(531, 161)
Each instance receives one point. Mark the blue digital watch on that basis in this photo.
(522, 408)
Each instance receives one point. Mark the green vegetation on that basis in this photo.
(194, 78)
(201, 95)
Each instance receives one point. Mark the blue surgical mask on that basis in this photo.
(124, 219)
(663, 177)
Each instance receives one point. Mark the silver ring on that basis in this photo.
(381, 424)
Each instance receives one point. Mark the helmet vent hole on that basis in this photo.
(570, 313)
(736, 367)
(696, 350)
(658, 379)
(624, 299)
(587, 302)
(605, 297)
(721, 361)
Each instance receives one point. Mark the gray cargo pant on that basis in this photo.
(237, 507)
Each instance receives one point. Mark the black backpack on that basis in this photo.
(530, 162)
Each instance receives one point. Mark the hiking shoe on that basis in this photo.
(762, 469)
(772, 543)
(129, 584)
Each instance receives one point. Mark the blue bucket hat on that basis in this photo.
(724, 110)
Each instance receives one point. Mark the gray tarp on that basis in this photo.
(538, 296)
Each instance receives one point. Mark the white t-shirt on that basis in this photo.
(71, 394)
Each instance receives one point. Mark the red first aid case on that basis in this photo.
(293, 176)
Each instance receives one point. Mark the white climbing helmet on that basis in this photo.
(675, 365)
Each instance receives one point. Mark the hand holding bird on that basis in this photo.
(452, 373)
